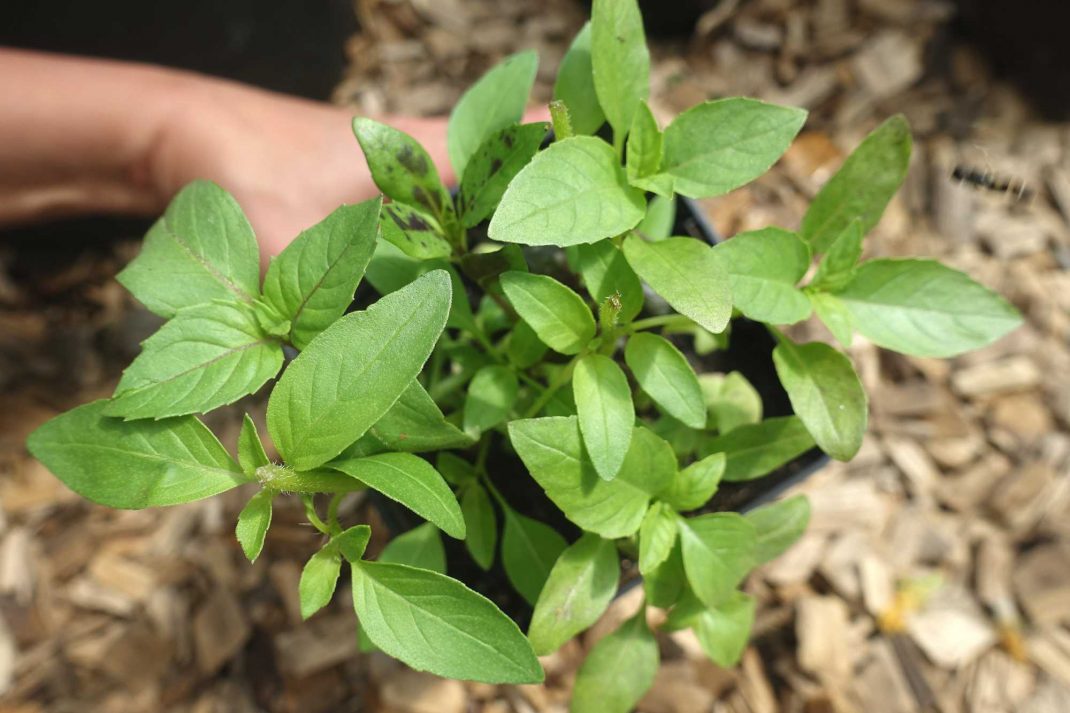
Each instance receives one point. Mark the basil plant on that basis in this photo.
(541, 315)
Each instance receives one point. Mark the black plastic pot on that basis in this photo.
(750, 353)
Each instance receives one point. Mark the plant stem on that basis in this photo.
(559, 380)
(332, 514)
(313, 517)
(667, 320)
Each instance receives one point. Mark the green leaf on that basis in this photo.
(664, 374)
(657, 535)
(573, 192)
(413, 232)
(481, 525)
(494, 102)
(665, 584)
(660, 217)
(778, 526)
(529, 550)
(619, 669)
(436, 624)
(352, 373)
(687, 274)
(553, 453)
(411, 481)
(311, 283)
(251, 453)
(134, 465)
(731, 400)
(718, 553)
(763, 267)
(414, 424)
(524, 348)
(835, 315)
(202, 249)
(207, 356)
(352, 542)
(645, 147)
(606, 273)
(757, 449)
(720, 145)
(494, 165)
(402, 169)
(575, 85)
(923, 308)
(580, 587)
(723, 631)
(455, 470)
(419, 547)
(491, 395)
(253, 523)
(606, 414)
(620, 61)
(695, 485)
(825, 394)
(558, 315)
(837, 266)
(862, 187)
(318, 579)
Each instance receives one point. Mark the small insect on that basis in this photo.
(1015, 187)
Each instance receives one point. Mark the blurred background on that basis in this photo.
(936, 572)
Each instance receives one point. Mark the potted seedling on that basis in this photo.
(520, 375)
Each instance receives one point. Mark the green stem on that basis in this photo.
(667, 320)
(332, 513)
(310, 513)
(560, 379)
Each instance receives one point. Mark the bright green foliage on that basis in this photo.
(720, 145)
(434, 623)
(556, 314)
(722, 631)
(664, 374)
(411, 481)
(606, 274)
(253, 523)
(481, 524)
(553, 453)
(645, 148)
(777, 526)
(402, 169)
(134, 465)
(657, 535)
(620, 61)
(826, 394)
(659, 220)
(413, 424)
(318, 579)
(692, 487)
(207, 356)
(354, 371)
(493, 166)
(665, 584)
(862, 187)
(202, 249)
(419, 547)
(687, 274)
(580, 587)
(606, 414)
(529, 550)
(838, 264)
(718, 552)
(490, 397)
(731, 400)
(763, 267)
(313, 280)
(923, 308)
(573, 192)
(757, 449)
(618, 670)
(251, 453)
(835, 315)
(494, 102)
(575, 85)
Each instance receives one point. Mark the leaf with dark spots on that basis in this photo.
(497, 161)
(414, 233)
(414, 162)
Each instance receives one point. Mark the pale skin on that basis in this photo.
(85, 136)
